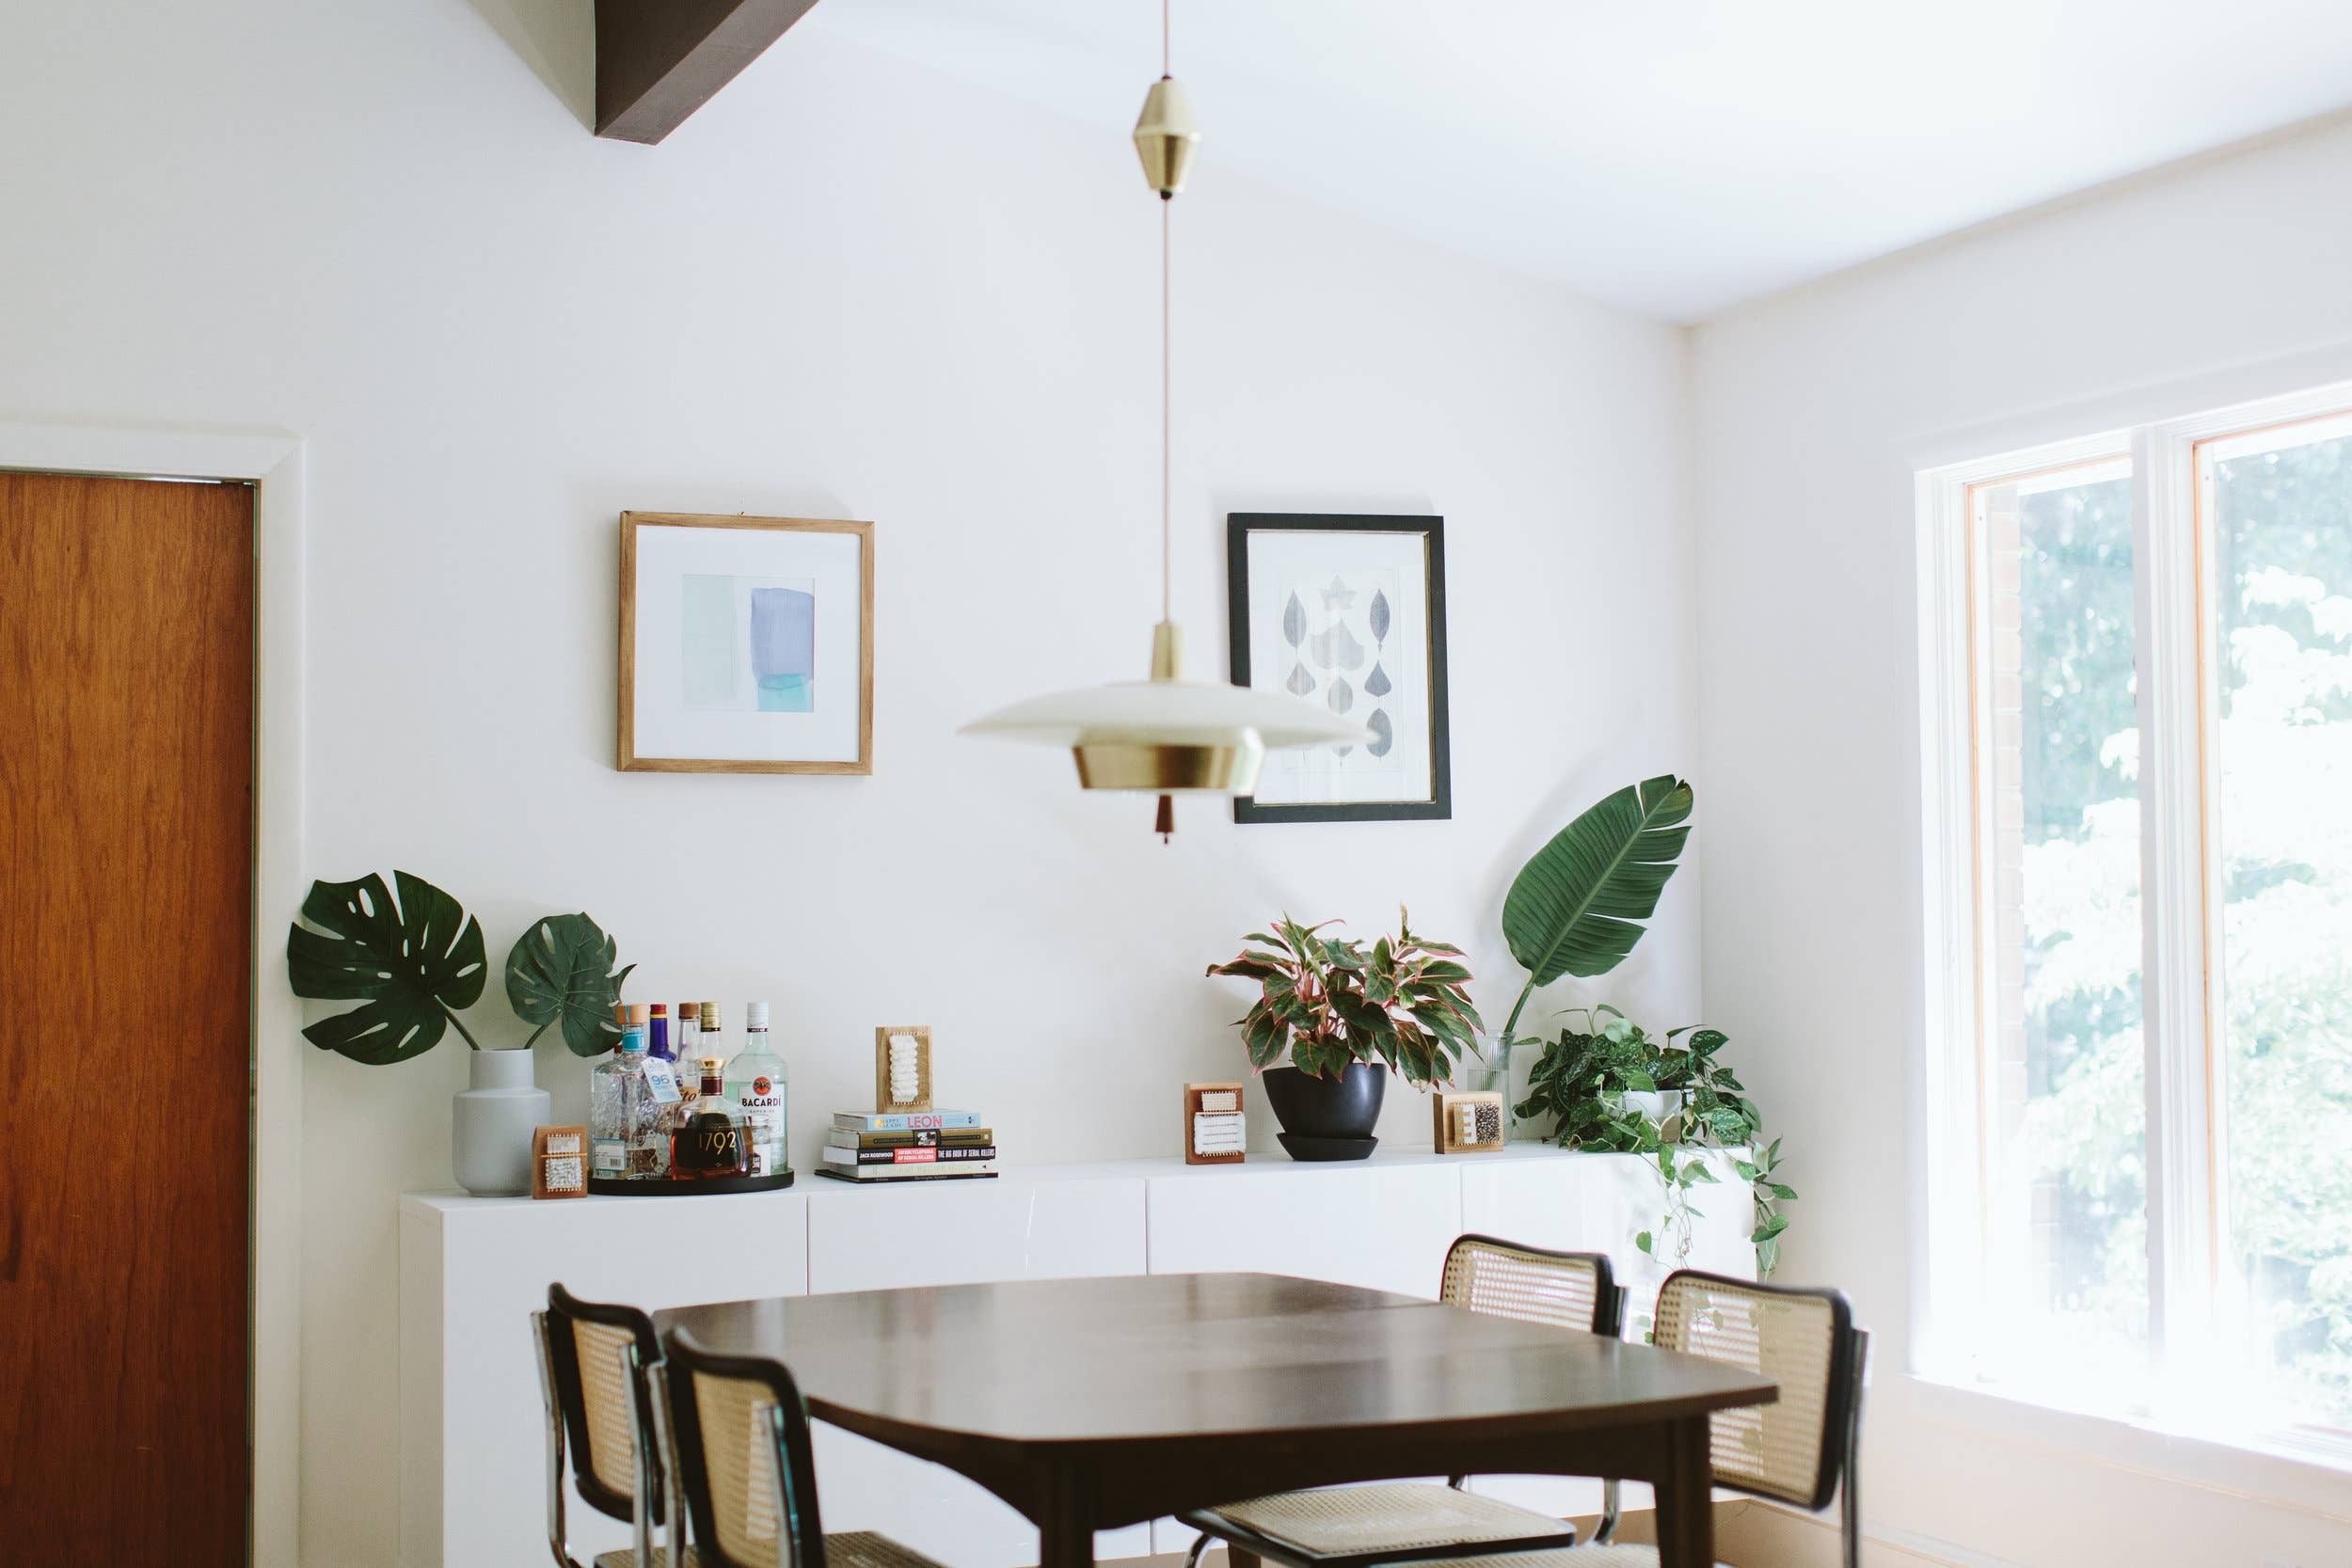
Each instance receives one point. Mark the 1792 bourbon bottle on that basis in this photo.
(714, 1140)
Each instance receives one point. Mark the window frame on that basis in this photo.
(2176, 663)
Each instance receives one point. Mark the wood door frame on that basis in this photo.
(273, 463)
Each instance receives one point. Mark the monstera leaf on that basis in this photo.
(561, 969)
(411, 964)
(1573, 907)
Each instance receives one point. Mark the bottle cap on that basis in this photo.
(640, 1015)
(710, 1016)
(689, 1011)
(755, 1014)
(660, 1009)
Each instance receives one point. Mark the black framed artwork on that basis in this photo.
(1347, 611)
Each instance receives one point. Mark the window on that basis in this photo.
(2137, 661)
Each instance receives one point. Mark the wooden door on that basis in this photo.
(126, 770)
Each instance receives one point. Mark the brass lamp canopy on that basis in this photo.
(1167, 135)
(1168, 735)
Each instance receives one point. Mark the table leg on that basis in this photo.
(1686, 1508)
(1065, 1517)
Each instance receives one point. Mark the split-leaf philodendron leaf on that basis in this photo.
(562, 968)
(410, 964)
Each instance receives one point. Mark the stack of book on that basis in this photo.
(913, 1146)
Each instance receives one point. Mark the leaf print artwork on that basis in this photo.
(1379, 617)
(1301, 684)
(1293, 621)
(1376, 684)
(1383, 734)
(1335, 647)
(1342, 697)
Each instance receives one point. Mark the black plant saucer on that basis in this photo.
(1304, 1148)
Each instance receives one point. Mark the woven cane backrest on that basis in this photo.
(1801, 1340)
(1568, 1290)
(606, 1403)
(740, 1433)
(591, 1344)
(738, 1420)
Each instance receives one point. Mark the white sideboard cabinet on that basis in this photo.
(472, 1269)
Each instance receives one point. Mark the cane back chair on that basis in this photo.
(736, 1434)
(1801, 1449)
(596, 1362)
(1408, 1522)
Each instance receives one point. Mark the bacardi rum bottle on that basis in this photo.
(755, 1083)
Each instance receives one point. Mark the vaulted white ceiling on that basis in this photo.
(1673, 156)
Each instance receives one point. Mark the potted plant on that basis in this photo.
(1342, 1014)
(1612, 1087)
(413, 963)
(1573, 908)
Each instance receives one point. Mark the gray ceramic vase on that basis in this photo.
(491, 1123)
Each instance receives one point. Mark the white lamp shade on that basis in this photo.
(1170, 713)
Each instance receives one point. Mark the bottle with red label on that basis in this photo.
(755, 1083)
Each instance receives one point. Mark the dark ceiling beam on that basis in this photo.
(660, 60)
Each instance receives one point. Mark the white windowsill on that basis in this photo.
(2275, 1467)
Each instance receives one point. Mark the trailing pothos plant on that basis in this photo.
(415, 960)
(1328, 1002)
(1588, 1079)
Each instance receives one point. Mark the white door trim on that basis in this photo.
(274, 463)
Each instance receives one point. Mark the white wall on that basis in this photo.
(2222, 282)
(846, 288)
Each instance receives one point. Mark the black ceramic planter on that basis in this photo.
(1327, 1119)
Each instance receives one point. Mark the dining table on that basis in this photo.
(1088, 1404)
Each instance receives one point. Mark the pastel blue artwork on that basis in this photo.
(784, 649)
(748, 644)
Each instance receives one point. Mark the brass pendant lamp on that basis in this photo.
(1168, 735)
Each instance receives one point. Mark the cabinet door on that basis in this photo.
(1383, 1227)
(958, 1233)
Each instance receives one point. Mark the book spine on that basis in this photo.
(841, 1137)
(875, 1176)
(903, 1121)
(925, 1156)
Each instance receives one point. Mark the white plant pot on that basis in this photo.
(492, 1121)
(1657, 1104)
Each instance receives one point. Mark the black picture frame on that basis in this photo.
(1239, 526)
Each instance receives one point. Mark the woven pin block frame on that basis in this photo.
(1447, 1104)
(1197, 1100)
(921, 1034)
(559, 1162)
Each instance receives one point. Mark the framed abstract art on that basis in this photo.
(1348, 612)
(747, 644)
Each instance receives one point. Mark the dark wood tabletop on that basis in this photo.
(1091, 1403)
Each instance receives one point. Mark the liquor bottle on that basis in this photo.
(714, 1140)
(658, 1034)
(683, 1035)
(616, 1090)
(709, 1039)
(756, 1082)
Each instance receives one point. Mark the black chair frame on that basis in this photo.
(567, 1420)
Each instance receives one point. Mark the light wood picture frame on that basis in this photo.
(746, 644)
(1223, 1138)
(1453, 1137)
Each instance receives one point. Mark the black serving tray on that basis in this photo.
(664, 1186)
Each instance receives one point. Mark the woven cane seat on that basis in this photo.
(1405, 1516)
(627, 1559)
(862, 1548)
(1628, 1556)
